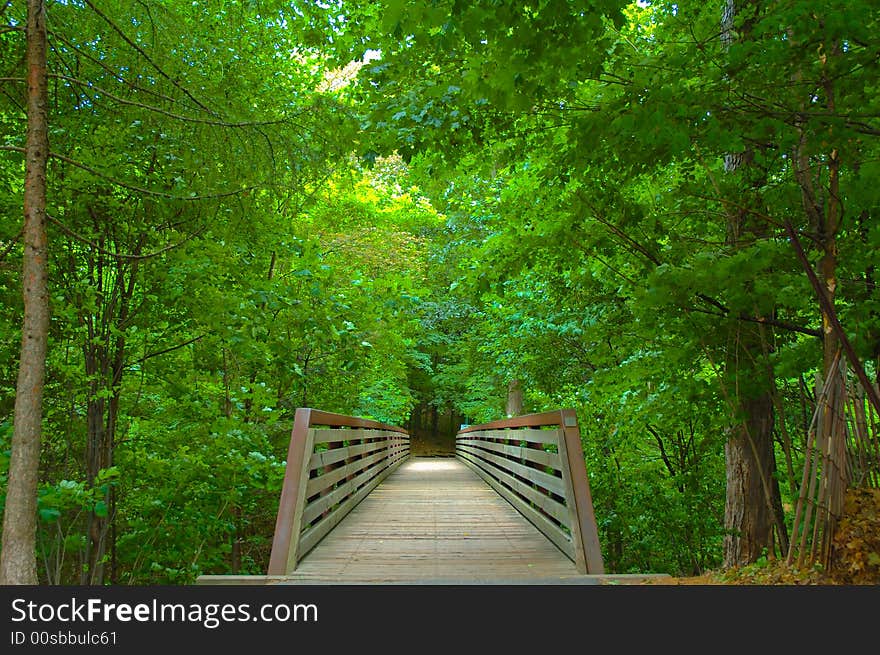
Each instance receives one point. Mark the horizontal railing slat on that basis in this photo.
(336, 435)
(553, 507)
(547, 481)
(531, 454)
(335, 455)
(327, 480)
(548, 527)
(550, 437)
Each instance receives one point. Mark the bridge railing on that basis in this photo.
(333, 462)
(536, 462)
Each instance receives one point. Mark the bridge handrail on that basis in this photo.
(542, 473)
(333, 462)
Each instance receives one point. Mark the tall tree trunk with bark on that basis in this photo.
(753, 503)
(752, 507)
(514, 406)
(18, 558)
(830, 226)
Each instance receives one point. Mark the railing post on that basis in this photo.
(288, 522)
(584, 530)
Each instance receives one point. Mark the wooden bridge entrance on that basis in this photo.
(433, 519)
(512, 506)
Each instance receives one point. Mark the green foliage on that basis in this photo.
(544, 198)
(589, 219)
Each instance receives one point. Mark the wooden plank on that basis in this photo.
(557, 510)
(535, 455)
(526, 420)
(319, 417)
(582, 499)
(573, 520)
(549, 437)
(545, 480)
(296, 578)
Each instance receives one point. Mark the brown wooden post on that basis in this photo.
(288, 523)
(587, 549)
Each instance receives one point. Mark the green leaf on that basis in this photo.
(49, 514)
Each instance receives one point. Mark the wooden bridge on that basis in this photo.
(512, 506)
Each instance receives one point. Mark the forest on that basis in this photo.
(663, 215)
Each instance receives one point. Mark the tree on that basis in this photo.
(753, 506)
(634, 134)
(142, 164)
(18, 558)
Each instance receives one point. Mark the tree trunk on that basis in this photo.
(236, 538)
(830, 226)
(104, 356)
(753, 502)
(870, 290)
(514, 405)
(18, 563)
(749, 512)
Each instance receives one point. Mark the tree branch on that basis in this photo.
(140, 51)
(167, 350)
(136, 189)
(791, 327)
(828, 308)
(651, 257)
(117, 255)
(179, 117)
(14, 240)
(784, 325)
(663, 454)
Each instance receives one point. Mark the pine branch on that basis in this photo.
(117, 255)
(149, 60)
(137, 189)
(103, 65)
(151, 108)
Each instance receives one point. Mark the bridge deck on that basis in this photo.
(433, 519)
